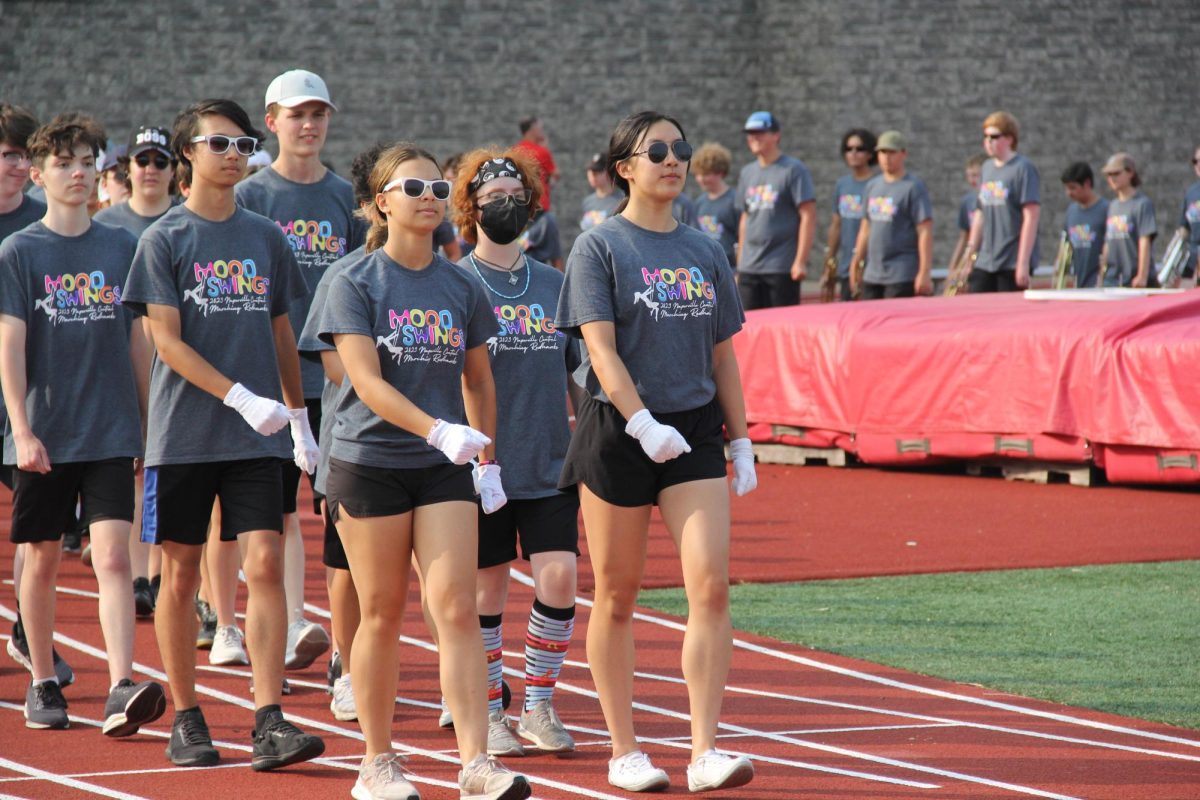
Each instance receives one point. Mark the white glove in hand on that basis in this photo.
(304, 444)
(661, 442)
(460, 443)
(745, 479)
(265, 415)
(488, 487)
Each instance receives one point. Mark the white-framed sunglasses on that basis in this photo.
(219, 144)
(415, 187)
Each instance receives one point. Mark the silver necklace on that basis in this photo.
(511, 270)
(512, 276)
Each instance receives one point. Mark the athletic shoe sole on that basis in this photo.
(310, 751)
(309, 648)
(203, 760)
(519, 790)
(360, 792)
(147, 704)
(743, 774)
(659, 783)
(542, 746)
(61, 725)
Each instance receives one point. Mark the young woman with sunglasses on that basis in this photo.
(411, 331)
(151, 171)
(858, 151)
(1127, 258)
(530, 362)
(655, 304)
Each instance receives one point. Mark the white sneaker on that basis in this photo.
(485, 778)
(633, 772)
(305, 642)
(715, 770)
(383, 779)
(342, 705)
(227, 647)
(501, 741)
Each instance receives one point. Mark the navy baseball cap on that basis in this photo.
(761, 121)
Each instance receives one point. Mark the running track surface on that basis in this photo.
(817, 725)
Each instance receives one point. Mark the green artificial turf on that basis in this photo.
(1122, 638)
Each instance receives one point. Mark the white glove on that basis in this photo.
(745, 479)
(487, 485)
(265, 415)
(661, 442)
(460, 443)
(304, 444)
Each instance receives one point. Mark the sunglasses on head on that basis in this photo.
(657, 152)
(415, 187)
(159, 161)
(219, 144)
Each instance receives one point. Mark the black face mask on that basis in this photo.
(503, 222)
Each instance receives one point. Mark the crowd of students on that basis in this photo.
(295, 322)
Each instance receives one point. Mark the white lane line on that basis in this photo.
(812, 731)
(70, 783)
(911, 687)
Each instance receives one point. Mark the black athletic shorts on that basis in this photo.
(333, 555)
(979, 282)
(291, 472)
(44, 505)
(379, 492)
(543, 524)
(612, 464)
(178, 499)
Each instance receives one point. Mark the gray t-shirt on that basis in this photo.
(229, 280)
(1189, 218)
(1003, 193)
(596, 209)
(671, 297)
(895, 209)
(719, 219)
(966, 207)
(422, 323)
(30, 210)
(530, 360)
(1127, 221)
(849, 203)
(770, 197)
(540, 239)
(311, 346)
(318, 221)
(67, 290)
(1085, 230)
(125, 217)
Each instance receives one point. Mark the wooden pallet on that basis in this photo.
(800, 456)
(1034, 471)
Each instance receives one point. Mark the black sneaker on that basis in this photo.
(191, 745)
(18, 649)
(45, 706)
(155, 582)
(72, 540)
(206, 634)
(143, 598)
(334, 670)
(280, 743)
(131, 705)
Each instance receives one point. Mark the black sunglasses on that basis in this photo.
(159, 161)
(657, 152)
(855, 149)
(993, 136)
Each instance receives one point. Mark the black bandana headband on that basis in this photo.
(495, 168)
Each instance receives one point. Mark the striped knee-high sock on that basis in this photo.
(493, 647)
(546, 644)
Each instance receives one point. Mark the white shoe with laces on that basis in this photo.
(342, 705)
(227, 647)
(382, 778)
(715, 770)
(633, 772)
(306, 641)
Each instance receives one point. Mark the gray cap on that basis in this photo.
(891, 140)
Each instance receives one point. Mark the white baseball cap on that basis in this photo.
(298, 86)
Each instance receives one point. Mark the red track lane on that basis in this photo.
(798, 711)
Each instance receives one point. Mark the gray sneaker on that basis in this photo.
(486, 779)
(131, 705)
(542, 726)
(501, 741)
(383, 779)
(45, 706)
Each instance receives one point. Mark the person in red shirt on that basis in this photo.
(533, 141)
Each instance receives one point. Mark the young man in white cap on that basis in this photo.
(314, 208)
(778, 219)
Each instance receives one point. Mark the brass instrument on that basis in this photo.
(857, 268)
(1062, 261)
(1174, 259)
(956, 279)
(829, 278)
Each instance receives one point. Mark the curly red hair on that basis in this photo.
(462, 200)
